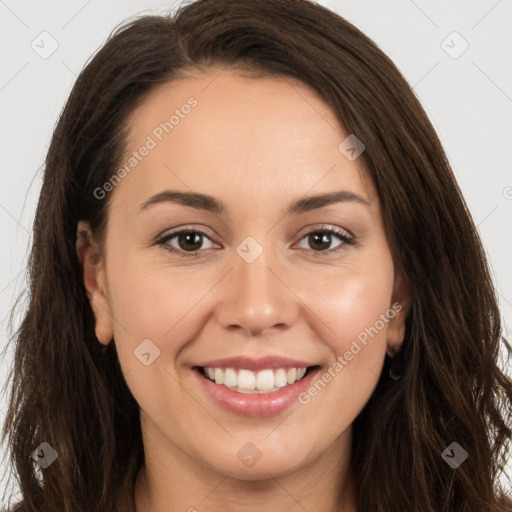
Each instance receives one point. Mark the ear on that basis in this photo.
(93, 273)
(400, 304)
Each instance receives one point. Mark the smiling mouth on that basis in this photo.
(252, 383)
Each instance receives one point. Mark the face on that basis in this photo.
(255, 281)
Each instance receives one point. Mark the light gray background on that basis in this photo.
(468, 99)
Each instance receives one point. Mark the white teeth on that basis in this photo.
(245, 391)
(219, 376)
(280, 378)
(265, 380)
(230, 379)
(247, 381)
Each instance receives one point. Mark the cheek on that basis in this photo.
(152, 301)
(149, 301)
(151, 315)
(355, 305)
(353, 300)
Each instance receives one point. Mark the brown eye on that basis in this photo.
(187, 242)
(320, 240)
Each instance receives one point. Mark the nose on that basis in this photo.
(255, 297)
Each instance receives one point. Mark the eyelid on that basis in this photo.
(179, 229)
(327, 227)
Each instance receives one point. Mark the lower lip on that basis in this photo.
(255, 405)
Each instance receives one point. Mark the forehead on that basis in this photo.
(217, 130)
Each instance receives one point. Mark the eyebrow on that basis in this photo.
(213, 205)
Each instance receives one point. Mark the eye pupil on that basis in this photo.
(188, 237)
(322, 239)
(191, 242)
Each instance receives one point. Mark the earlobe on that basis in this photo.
(93, 273)
(400, 303)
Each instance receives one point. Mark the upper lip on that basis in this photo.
(255, 364)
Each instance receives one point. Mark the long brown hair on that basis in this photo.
(67, 391)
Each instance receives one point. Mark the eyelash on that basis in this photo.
(344, 237)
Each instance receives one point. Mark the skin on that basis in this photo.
(257, 145)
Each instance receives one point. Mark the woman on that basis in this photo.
(261, 367)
